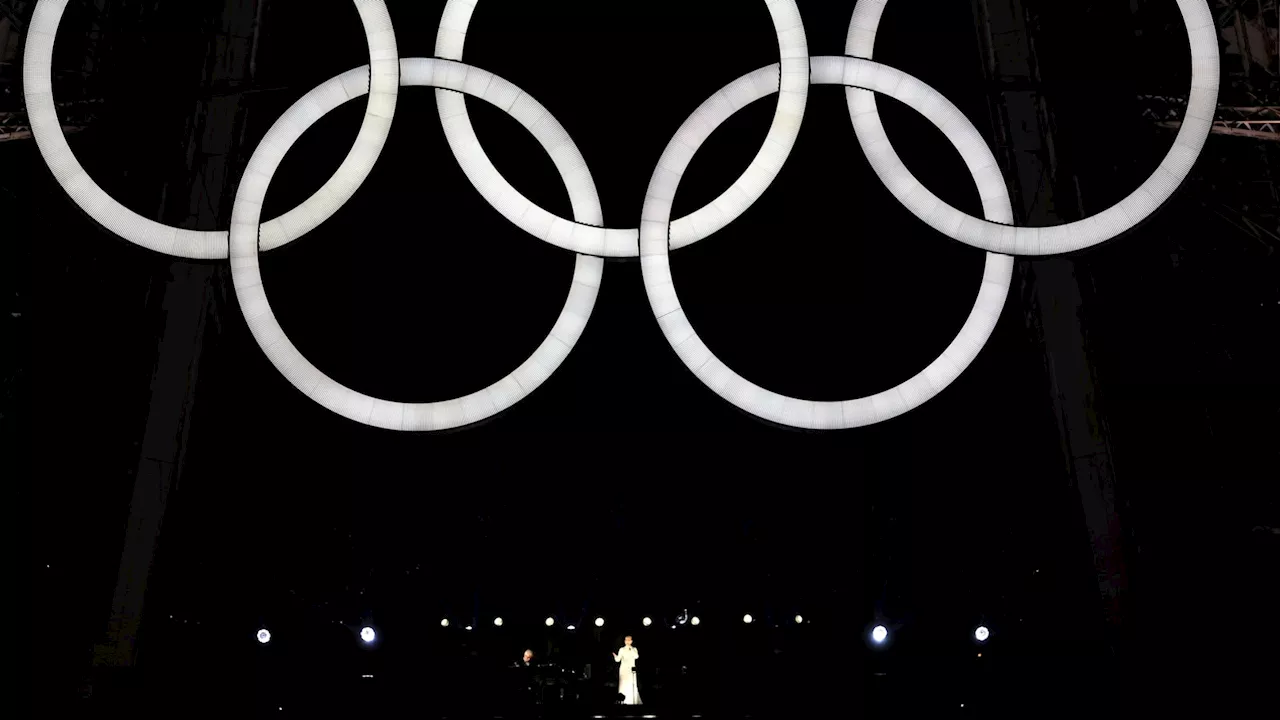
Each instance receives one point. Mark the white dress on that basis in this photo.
(627, 657)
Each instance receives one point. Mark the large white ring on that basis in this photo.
(1002, 238)
(37, 81)
(657, 234)
(587, 236)
(301, 372)
(809, 414)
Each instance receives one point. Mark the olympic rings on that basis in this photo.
(586, 235)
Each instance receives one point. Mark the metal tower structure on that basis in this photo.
(1052, 291)
(1242, 187)
(77, 104)
(195, 194)
(1237, 184)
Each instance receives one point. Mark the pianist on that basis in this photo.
(527, 683)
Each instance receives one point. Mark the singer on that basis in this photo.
(626, 658)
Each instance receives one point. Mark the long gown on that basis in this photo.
(627, 657)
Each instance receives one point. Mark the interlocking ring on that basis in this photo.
(586, 234)
(1202, 104)
(37, 73)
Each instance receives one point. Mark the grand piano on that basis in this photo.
(546, 683)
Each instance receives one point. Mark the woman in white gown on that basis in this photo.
(626, 658)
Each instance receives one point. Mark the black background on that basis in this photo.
(623, 486)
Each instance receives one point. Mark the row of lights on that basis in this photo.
(368, 634)
(695, 620)
(879, 633)
(748, 619)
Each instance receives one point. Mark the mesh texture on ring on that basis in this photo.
(585, 234)
(37, 78)
(811, 414)
(310, 380)
(1202, 104)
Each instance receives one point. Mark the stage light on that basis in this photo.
(264, 636)
(747, 619)
(981, 633)
(367, 634)
(879, 634)
(551, 621)
(799, 619)
(467, 628)
(497, 622)
(599, 622)
(696, 620)
(571, 628)
(647, 622)
(444, 622)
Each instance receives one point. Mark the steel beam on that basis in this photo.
(1051, 288)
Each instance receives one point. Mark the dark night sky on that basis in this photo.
(826, 289)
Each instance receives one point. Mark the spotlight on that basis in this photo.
(444, 622)
(264, 636)
(879, 634)
(367, 634)
(467, 628)
(551, 621)
(981, 633)
(799, 619)
(599, 622)
(647, 622)
(747, 619)
(695, 620)
(571, 628)
(497, 622)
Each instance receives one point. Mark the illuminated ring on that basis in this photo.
(659, 286)
(657, 234)
(207, 245)
(993, 237)
(586, 235)
(301, 372)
